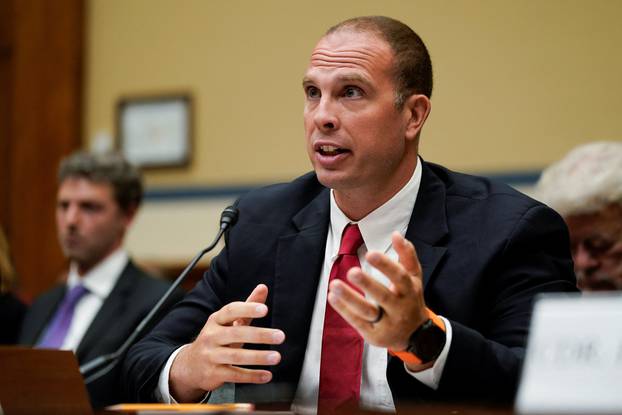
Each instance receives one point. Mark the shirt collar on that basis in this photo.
(377, 226)
(102, 278)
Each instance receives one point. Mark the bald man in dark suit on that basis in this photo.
(442, 268)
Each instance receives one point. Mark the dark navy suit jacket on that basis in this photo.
(485, 249)
(131, 299)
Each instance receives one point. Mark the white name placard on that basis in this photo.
(574, 356)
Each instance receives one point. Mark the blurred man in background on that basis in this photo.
(105, 295)
(585, 187)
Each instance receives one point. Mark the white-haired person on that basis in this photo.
(585, 187)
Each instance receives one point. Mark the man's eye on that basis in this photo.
(91, 207)
(598, 246)
(352, 92)
(312, 92)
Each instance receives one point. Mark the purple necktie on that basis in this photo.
(59, 326)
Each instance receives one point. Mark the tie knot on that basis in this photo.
(75, 294)
(351, 240)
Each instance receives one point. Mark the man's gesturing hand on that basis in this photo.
(402, 301)
(211, 359)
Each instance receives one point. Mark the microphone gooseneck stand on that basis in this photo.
(100, 366)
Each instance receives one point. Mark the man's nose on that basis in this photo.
(71, 215)
(584, 260)
(325, 116)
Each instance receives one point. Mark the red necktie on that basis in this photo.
(342, 346)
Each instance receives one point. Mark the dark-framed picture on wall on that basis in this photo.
(155, 131)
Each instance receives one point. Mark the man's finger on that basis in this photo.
(374, 290)
(249, 334)
(239, 310)
(354, 301)
(232, 356)
(362, 325)
(235, 374)
(393, 270)
(259, 295)
(407, 254)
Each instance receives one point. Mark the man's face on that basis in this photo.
(357, 139)
(89, 221)
(596, 242)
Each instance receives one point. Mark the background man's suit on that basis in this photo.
(485, 250)
(133, 296)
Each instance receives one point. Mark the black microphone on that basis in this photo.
(98, 367)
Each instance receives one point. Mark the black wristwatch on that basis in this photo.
(427, 342)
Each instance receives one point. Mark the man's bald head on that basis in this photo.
(412, 71)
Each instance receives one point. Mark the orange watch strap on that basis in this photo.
(411, 358)
(407, 357)
(436, 319)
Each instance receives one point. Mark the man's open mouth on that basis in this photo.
(328, 150)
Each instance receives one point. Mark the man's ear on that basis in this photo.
(417, 108)
(129, 215)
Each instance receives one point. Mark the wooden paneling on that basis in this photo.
(42, 73)
(6, 40)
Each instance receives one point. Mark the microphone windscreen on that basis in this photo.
(228, 217)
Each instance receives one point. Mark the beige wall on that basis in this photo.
(518, 83)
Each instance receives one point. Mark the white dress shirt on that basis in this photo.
(376, 229)
(99, 281)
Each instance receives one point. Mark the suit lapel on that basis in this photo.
(41, 314)
(300, 254)
(428, 223)
(110, 312)
(299, 262)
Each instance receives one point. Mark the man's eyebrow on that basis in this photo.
(342, 79)
(354, 78)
